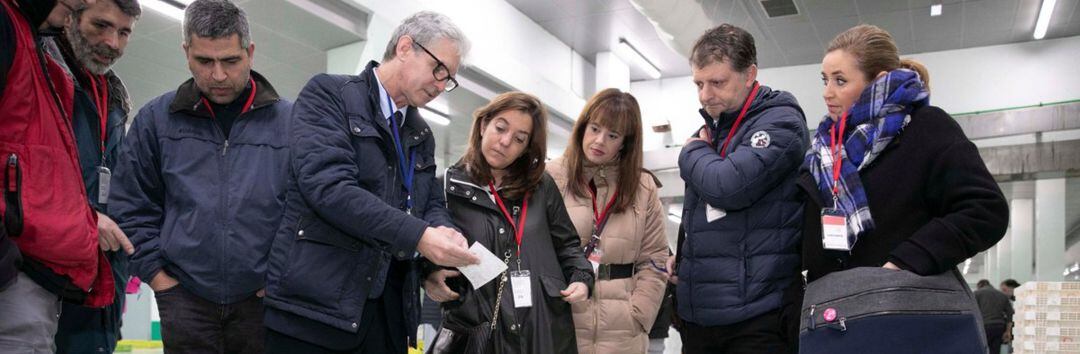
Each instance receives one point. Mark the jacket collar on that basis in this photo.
(188, 98)
(458, 183)
(413, 121)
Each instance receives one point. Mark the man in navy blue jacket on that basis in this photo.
(199, 188)
(362, 201)
(739, 264)
(93, 40)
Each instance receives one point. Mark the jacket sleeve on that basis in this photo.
(325, 169)
(435, 212)
(650, 283)
(137, 198)
(565, 238)
(972, 213)
(748, 173)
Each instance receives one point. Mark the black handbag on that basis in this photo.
(472, 340)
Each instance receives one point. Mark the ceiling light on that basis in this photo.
(434, 116)
(170, 8)
(628, 52)
(1044, 18)
(935, 10)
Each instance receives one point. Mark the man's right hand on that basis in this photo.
(446, 247)
(162, 282)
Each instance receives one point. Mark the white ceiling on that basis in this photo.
(592, 26)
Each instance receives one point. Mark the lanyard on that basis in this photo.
(407, 170)
(519, 226)
(247, 105)
(599, 218)
(101, 100)
(746, 106)
(835, 146)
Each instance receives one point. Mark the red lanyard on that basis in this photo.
(247, 105)
(745, 106)
(519, 226)
(834, 148)
(101, 100)
(600, 217)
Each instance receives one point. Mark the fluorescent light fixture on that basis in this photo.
(628, 52)
(434, 116)
(935, 10)
(1044, 18)
(170, 8)
(967, 266)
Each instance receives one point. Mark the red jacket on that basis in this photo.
(42, 181)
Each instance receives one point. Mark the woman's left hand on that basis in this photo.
(576, 292)
(890, 265)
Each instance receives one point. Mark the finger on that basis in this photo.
(105, 241)
(449, 273)
(125, 243)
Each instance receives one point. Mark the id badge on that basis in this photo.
(713, 214)
(521, 287)
(834, 234)
(104, 182)
(594, 258)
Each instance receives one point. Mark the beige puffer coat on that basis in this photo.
(619, 313)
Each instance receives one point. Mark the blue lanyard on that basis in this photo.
(407, 169)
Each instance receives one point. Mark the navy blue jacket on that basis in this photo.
(198, 204)
(737, 267)
(345, 216)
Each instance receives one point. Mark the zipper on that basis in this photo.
(890, 289)
(13, 216)
(225, 147)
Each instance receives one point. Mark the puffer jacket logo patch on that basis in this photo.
(760, 140)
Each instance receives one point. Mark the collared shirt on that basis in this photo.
(386, 104)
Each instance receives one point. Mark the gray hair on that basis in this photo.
(424, 28)
(128, 7)
(216, 19)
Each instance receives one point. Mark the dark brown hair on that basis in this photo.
(725, 43)
(875, 51)
(618, 111)
(525, 173)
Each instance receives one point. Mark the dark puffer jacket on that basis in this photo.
(737, 267)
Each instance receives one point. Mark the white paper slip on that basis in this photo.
(490, 266)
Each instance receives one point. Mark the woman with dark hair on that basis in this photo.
(910, 188)
(500, 197)
(617, 212)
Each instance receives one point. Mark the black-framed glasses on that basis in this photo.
(441, 72)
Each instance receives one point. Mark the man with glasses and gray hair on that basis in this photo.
(199, 188)
(363, 202)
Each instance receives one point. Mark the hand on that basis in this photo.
(435, 286)
(446, 247)
(261, 293)
(162, 282)
(890, 265)
(703, 135)
(670, 265)
(110, 237)
(576, 292)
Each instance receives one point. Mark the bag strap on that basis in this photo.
(498, 295)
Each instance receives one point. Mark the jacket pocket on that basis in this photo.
(13, 215)
(322, 263)
(552, 285)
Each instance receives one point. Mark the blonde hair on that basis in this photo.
(876, 51)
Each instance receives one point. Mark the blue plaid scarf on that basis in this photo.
(882, 111)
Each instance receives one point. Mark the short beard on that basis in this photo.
(85, 52)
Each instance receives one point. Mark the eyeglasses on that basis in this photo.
(440, 72)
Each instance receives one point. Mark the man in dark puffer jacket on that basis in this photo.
(739, 262)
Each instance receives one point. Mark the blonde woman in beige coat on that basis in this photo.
(601, 171)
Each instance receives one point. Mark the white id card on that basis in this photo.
(521, 286)
(834, 233)
(594, 258)
(713, 214)
(104, 182)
